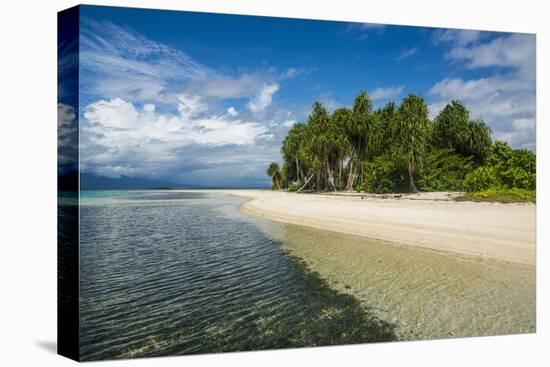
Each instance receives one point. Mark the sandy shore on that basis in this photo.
(488, 230)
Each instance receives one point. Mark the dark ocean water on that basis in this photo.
(164, 273)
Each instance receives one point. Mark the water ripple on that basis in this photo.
(165, 274)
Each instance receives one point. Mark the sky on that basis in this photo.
(205, 99)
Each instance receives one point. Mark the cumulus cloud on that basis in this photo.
(263, 99)
(120, 138)
(380, 94)
(232, 111)
(516, 51)
(506, 98)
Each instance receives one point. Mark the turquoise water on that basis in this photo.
(165, 273)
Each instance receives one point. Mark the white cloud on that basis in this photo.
(263, 99)
(152, 109)
(289, 123)
(505, 99)
(149, 107)
(380, 94)
(407, 53)
(457, 37)
(516, 50)
(232, 111)
(190, 106)
(365, 29)
(115, 131)
(118, 62)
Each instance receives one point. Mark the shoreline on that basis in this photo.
(504, 232)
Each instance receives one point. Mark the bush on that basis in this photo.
(502, 195)
(482, 178)
(518, 177)
(379, 176)
(443, 170)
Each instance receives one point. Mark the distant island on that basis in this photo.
(397, 148)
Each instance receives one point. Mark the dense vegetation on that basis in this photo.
(398, 149)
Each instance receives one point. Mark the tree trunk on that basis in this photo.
(330, 177)
(340, 172)
(349, 185)
(412, 186)
(304, 185)
(277, 182)
(298, 170)
(318, 180)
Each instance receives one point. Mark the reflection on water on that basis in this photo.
(426, 294)
(166, 273)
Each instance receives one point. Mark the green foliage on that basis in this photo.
(453, 129)
(294, 186)
(275, 174)
(482, 178)
(502, 195)
(410, 132)
(396, 147)
(449, 125)
(516, 168)
(443, 170)
(379, 176)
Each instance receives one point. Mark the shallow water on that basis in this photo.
(424, 293)
(164, 273)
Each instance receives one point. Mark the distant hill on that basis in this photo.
(90, 181)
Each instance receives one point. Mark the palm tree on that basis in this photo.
(274, 172)
(410, 132)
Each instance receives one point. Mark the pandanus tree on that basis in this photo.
(320, 143)
(386, 118)
(361, 133)
(292, 151)
(340, 119)
(410, 133)
(453, 129)
(275, 174)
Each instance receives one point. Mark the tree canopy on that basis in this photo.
(396, 148)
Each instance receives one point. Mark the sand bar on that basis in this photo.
(433, 220)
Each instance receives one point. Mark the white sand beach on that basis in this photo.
(432, 220)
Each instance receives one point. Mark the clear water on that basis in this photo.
(425, 294)
(164, 273)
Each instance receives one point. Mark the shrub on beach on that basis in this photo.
(502, 195)
(379, 176)
(443, 170)
(482, 178)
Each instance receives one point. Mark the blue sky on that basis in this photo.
(206, 98)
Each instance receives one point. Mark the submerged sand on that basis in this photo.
(434, 221)
(425, 294)
(479, 281)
